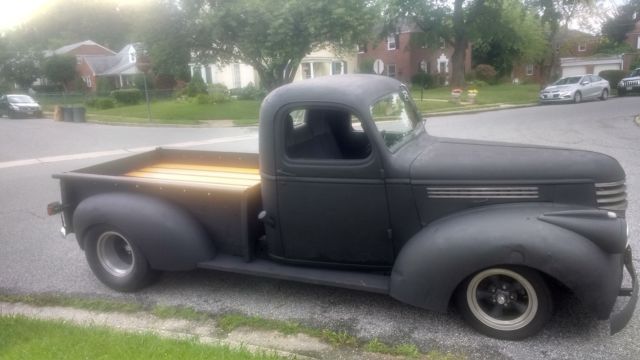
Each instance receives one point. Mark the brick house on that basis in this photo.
(95, 61)
(403, 58)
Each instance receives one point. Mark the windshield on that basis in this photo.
(20, 99)
(396, 118)
(568, 80)
(634, 73)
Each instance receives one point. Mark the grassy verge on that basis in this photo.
(181, 112)
(229, 322)
(36, 339)
(245, 112)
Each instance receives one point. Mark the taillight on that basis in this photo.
(54, 208)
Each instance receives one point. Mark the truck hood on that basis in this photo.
(458, 160)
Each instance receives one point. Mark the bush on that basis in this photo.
(366, 66)
(101, 103)
(138, 82)
(196, 86)
(203, 99)
(249, 92)
(613, 76)
(477, 84)
(103, 86)
(48, 88)
(127, 96)
(487, 73)
(218, 98)
(424, 80)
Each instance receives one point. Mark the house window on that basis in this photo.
(362, 48)
(306, 71)
(391, 42)
(424, 66)
(638, 42)
(529, 69)
(582, 47)
(237, 82)
(391, 70)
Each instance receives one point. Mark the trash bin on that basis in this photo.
(79, 114)
(67, 113)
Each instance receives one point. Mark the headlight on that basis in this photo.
(620, 84)
(14, 107)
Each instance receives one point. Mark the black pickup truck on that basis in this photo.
(349, 190)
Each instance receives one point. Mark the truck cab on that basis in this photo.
(349, 190)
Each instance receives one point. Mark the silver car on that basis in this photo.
(576, 89)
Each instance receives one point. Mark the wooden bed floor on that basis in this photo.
(214, 176)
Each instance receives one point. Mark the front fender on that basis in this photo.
(168, 236)
(438, 258)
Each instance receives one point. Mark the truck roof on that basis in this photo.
(355, 90)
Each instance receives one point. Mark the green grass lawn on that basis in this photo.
(182, 112)
(23, 338)
(245, 112)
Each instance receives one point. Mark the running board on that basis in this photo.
(336, 278)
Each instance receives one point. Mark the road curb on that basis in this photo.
(481, 110)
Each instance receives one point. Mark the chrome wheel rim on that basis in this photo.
(605, 94)
(115, 254)
(502, 299)
(578, 97)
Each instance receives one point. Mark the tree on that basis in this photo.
(19, 64)
(522, 40)
(616, 28)
(458, 23)
(275, 37)
(555, 17)
(60, 69)
(166, 31)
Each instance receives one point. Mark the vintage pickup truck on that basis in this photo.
(349, 190)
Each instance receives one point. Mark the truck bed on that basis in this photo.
(221, 190)
(218, 177)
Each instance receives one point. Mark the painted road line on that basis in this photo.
(97, 154)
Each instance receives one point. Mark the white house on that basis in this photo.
(320, 62)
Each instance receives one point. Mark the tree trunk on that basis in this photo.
(460, 43)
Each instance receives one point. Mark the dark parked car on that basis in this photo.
(630, 83)
(15, 106)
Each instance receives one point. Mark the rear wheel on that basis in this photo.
(505, 303)
(577, 98)
(11, 114)
(116, 260)
(605, 94)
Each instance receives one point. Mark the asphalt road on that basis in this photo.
(34, 259)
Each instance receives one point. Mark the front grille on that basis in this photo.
(612, 196)
(631, 82)
(504, 192)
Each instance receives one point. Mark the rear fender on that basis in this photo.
(168, 236)
(437, 259)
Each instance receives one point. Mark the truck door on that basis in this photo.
(331, 193)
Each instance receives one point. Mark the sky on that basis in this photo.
(16, 11)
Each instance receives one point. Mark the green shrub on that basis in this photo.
(103, 86)
(613, 76)
(127, 96)
(196, 86)
(249, 92)
(366, 66)
(104, 103)
(203, 99)
(218, 98)
(477, 83)
(422, 79)
(487, 73)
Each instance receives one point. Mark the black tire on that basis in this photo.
(604, 95)
(509, 303)
(116, 260)
(577, 97)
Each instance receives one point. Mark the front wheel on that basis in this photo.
(605, 94)
(505, 303)
(577, 98)
(116, 260)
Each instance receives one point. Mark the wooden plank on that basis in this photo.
(192, 178)
(206, 173)
(208, 168)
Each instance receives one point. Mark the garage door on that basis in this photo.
(598, 68)
(574, 70)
